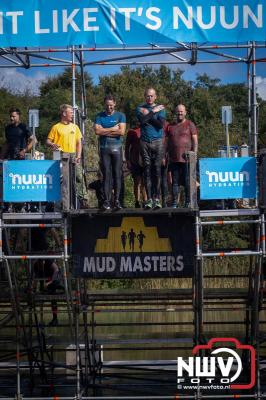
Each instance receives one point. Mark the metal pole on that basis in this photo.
(232, 222)
(73, 67)
(83, 95)
(93, 346)
(18, 362)
(34, 139)
(249, 53)
(195, 301)
(65, 276)
(72, 177)
(227, 140)
(199, 286)
(78, 370)
(83, 116)
(86, 349)
(256, 292)
(263, 234)
(179, 396)
(254, 100)
(232, 253)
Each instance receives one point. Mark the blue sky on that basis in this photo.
(19, 79)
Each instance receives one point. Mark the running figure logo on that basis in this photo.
(124, 240)
(133, 236)
(140, 238)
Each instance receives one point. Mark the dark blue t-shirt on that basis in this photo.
(17, 137)
(148, 131)
(108, 121)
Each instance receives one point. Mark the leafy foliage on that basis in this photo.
(203, 99)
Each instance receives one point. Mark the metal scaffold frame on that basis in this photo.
(92, 375)
(182, 54)
(83, 307)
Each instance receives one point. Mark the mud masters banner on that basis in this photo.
(133, 247)
(129, 22)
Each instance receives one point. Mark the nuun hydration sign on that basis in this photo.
(31, 180)
(228, 178)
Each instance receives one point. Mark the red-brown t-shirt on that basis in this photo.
(180, 139)
(132, 147)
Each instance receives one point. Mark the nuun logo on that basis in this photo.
(31, 179)
(228, 178)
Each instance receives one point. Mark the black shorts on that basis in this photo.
(43, 268)
(136, 170)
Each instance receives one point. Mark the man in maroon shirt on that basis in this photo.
(181, 137)
(134, 164)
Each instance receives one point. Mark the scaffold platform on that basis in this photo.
(119, 343)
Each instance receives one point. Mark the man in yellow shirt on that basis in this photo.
(65, 135)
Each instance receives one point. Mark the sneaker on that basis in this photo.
(106, 205)
(54, 322)
(157, 204)
(117, 205)
(148, 204)
(174, 204)
(137, 204)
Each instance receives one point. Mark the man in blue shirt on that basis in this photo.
(110, 126)
(151, 117)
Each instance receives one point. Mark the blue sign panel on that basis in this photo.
(31, 180)
(228, 178)
(122, 22)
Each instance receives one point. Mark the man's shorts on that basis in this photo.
(136, 170)
(43, 268)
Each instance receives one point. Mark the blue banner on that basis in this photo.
(36, 23)
(228, 178)
(31, 180)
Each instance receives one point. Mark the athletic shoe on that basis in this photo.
(148, 204)
(157, 204)
(174, 204)
(117, 205)
(106, 205)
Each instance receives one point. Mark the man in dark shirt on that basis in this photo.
(181, 138)
(19, 139)
(151, 117)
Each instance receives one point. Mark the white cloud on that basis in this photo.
(18, 83)
(261, 87)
